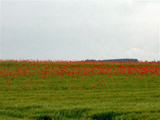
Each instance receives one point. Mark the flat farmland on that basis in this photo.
(79, 90)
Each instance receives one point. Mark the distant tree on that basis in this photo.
(114, 60)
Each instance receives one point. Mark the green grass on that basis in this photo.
(132, 98)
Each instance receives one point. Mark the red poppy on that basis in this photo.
(6, 81)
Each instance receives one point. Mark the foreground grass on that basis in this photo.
(75, 98)
(86, 104)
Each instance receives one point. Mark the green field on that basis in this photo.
(31, 90)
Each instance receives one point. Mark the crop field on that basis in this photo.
(79, 90)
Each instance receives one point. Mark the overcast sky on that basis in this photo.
(80, 29)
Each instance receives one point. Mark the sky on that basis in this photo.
(80, 29)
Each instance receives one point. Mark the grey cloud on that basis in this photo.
(78, 29)
(149, 1)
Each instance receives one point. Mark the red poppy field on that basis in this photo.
(79, 90)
